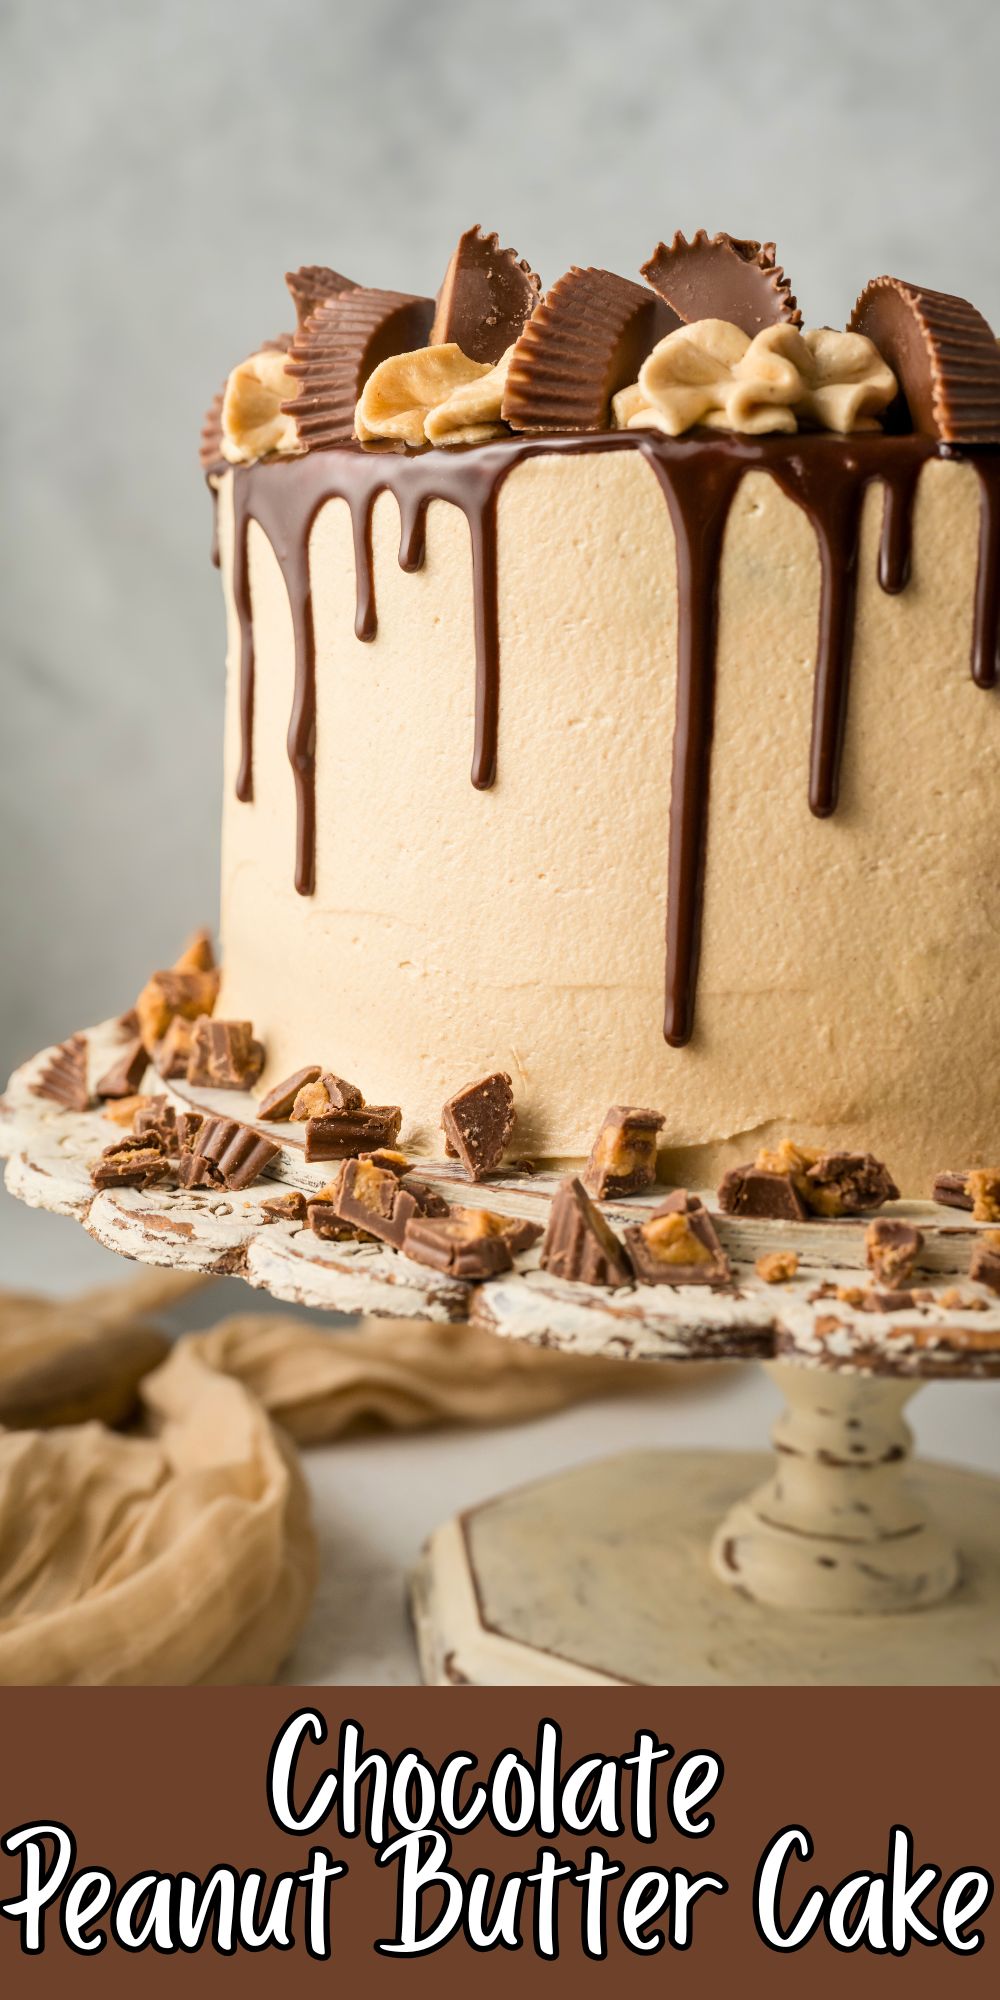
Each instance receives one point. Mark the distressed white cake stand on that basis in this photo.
(838, 1561)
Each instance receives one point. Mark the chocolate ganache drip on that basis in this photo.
(826, 476)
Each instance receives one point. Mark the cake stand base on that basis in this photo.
(601, 1577)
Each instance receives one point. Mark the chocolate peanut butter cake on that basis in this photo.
(610, 704)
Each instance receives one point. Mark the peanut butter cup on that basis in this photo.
(722, 277)
(486, 297)
(586, 340)
(312, 285)
(336, 350)
(943, 355)
(579, 1245)
(64, 1078)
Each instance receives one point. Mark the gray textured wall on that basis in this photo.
(168, 159)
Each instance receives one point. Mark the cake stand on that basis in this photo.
(839, 1561)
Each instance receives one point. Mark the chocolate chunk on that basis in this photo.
(478, 1122)
(210, 452)
(325, 1223)
(287, 1207)
(984, 1264)
(456, 1245)
(486, 297)
(275, 1106)
(373, 1200)
(323, 1094)
(344, 1134)
(891, 1252)
(312, 285)
(236, 1153)
(722, 277)
(166, 994)
(125, 1075)
(983, 1188)
(952, 1191)
(387, 1158)
(64, 1078)
(587, 339)
(761, 1194)
(678, 1245)
(189, 1124)
(156, 1115)
(777, 1267)
(517, 1232)
(943, 355)
(193, 1171)
(429, 1201)
(579, 1245)
(897, 1299)
(341, 344)
(130, 1162)
(848, 1183)
(224, 1055)
(172, 1056)
(623, 1156)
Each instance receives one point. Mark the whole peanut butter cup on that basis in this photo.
(722, 277)
(339, 346)
(587, 339)
(943, 355)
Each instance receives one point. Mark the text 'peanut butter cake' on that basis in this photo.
(611, 707)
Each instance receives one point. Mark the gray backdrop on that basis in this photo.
(166, 160)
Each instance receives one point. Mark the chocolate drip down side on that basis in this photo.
(827, 476)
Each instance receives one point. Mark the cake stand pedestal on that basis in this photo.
(839, 1562)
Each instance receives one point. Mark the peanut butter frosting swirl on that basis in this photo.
(712, 374)
(436, 395)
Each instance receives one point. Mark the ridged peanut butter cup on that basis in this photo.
(312, 284)
(722, 277)
(210, 445)
(337, 349)
(588, 339)
(64, 1078)
(943, 355)
(487, 296)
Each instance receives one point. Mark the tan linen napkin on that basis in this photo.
(183, 1553)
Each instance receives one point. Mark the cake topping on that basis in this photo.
(722, 277)
(325, 1223)
(369, 1198)
(255, 420)
(287, 1207)
(226, 1151)
(944, 356)
(984, 1264)
(788, 1182)
(404, 390)
(312, 285)
(342, 1135)
(167, 994)
(623, 1156)
(678, 1245)
(761, 1192)
(64, 1078)
(983, 1189)
(339, 347)
(777, 1267)
(172, 1055)
(586, 340)
(848, 1183)
(478, 1122)
(224, 1055)
(461, 1243)
(891, 1252)
(952, 1190)
(579, 1245)
(319, 1095)
(487, 295)
(712, 374)
(126, 1074)
(198, 954)
(389, 1160)
(130, 1162)
(275, 1107)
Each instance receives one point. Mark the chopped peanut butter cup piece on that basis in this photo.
(323, 1094)
(210, 442)
(389, 1160)
(952, 1191)
(518, 1233)
(122, 1110)
(226, 1151)
(623, 1157)
(458, 1244)
(579, 1245)
(487, 295)
(586, 340)
(344, 1134)
(125, 1075)
(198, 954)
(167, 994)
(478, 1122)
(131, 1162)
(983, 1188)
(370, 1199)
(984, 1264)
(777, 1267)
(312, 285)
(337, 349)
(943, 355)
(287, 1207)
(722, 277)
(275, 1107)
(64, 1078)
(678, 1245)
(172, 1055)
(759, 1192)
(224, 1055)
(848, 1184)
(891, 1252)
